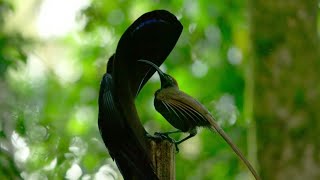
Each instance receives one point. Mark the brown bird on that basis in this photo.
(186, 113)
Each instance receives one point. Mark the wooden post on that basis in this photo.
(163, 158)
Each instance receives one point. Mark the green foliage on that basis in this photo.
(56, 117)
(11, 44)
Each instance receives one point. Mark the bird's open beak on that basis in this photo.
(161, 74)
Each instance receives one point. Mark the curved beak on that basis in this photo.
(161, 74)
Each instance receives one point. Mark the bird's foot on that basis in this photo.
(160, 136)
(154, 138)
(165, 136)
(176, 146)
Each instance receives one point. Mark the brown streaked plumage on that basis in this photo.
(186, 113)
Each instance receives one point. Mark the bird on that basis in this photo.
(186, 113)
(118, 120)
(152, 36)
(130, 156)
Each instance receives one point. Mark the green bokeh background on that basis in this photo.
(53, 119)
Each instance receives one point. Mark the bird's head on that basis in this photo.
(166, 79)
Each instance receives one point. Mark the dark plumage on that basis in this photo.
(118, 121)
(130, 156)
(152, 36)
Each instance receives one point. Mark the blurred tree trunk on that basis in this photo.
(286, 88)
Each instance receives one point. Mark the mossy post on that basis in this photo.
(163, 158)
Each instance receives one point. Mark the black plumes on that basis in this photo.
(152, 36)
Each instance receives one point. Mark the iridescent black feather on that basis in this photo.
(152, 36)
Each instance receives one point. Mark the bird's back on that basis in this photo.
(180, 109)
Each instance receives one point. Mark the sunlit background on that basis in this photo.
(51, 70)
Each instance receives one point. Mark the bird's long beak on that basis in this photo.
(161, 74)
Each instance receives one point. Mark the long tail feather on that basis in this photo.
(216, 127)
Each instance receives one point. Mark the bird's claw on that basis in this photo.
(149, 136)
(176, 146)
(165, 136)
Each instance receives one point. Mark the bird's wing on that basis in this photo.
(193, 106)
(180, 112)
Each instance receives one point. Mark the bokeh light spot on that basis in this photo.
(199, 69)
(74, 172)
(234, 56)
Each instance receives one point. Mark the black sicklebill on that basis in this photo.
(152, 36)
(186, 113)
(125, 149)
